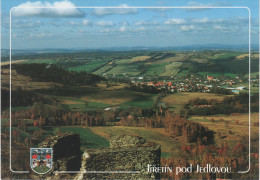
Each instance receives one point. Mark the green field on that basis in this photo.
(125, 66)
(17, 108)
(88, 139)
(77, 104)
(232, 75)
(226, 55)
(156, 69)
(172, 69)
(99, 97)
(103, 69)
(88, 67)
(91, 106)
(142, 102)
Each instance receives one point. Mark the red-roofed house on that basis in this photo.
(169, 83)
(210, 78)
(150, 84)
(160, 84)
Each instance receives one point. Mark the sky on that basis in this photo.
(66, 24)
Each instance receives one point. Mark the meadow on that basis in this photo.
(230, 128)
(226, 55)
(177, 101)
(88, 67)
(169, 145)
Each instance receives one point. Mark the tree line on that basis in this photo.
(55, 73)
(22, 97)
(235, 104)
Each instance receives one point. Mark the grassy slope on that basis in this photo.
(156, 69)
(88, 67)
(80, 105)
(177, 101)
(118, 96)
(88, 139)
(142, 102)
(171, 69)
(125, 66)
(227, 126)
(226, 55)
(157, 135)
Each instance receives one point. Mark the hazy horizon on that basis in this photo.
(37, 24)
(42, 25)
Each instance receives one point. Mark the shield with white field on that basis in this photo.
(41, 160)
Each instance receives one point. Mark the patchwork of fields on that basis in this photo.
(101, 97)
(160, 63)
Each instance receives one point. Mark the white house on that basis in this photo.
(241, 88)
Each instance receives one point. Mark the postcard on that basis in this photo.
(128, 89)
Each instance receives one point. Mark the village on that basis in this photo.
(193, 83)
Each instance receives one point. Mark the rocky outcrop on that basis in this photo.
(128, 159)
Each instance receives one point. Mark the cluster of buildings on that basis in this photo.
(192, 84)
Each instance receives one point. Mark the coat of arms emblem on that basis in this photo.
(41, 160)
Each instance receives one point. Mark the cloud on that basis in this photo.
(19, 24)
(203, 20)
(105, 23)
(175, 21)
(123, 9)
(107, 30)
(73, 23)
(146, 23)
(141, 29)
(86, 22)
(187, 28)
(218, 27)
(123, 29)
(45, 9)
(125, 23)
(40, 35)
(203, 6)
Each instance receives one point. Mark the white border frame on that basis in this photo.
(136, 7)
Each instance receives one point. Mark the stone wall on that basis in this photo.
(127, 158)
(132, 154)
(126, 141)
(66, 152)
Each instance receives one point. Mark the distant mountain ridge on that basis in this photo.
(242, 47)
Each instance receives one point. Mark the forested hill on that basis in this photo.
(54, 73)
